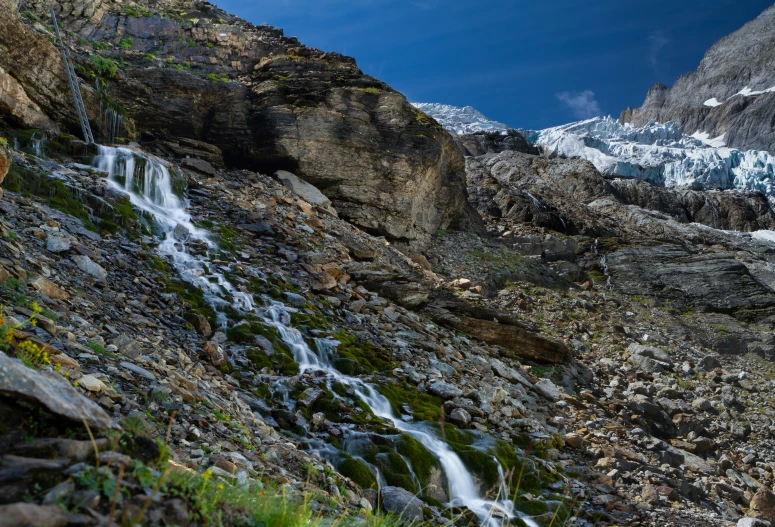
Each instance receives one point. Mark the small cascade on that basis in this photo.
(36, 142)
(148, 183)
(537, 202)
(111, 121)
(713, 210)
(604, 267)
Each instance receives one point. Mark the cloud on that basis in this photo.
(656, 40)
(582, 104)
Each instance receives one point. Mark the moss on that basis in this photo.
(532, 507)
(357, 471)
(419, 457)
(424, 407)
(310, 321)
(359, 356)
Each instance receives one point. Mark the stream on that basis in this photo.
(149, 186)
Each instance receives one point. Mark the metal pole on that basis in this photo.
(72, 80)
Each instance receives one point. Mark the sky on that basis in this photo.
(527, 63)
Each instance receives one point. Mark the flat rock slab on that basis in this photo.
(402, 503)
(50, 390)
(85, 264)
(142, 372)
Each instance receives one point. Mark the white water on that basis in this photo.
(149, 185)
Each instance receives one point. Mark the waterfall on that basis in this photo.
(148, 183)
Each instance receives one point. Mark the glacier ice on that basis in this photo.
(662, 154)
(461, 121)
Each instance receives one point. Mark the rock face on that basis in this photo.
(723, 97)
(493, 143)
(5, 161)
(33, 87)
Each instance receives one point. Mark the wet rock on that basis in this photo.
(199, 322)
(215, 353)
(181, 232)
(309, 396)
(294, 299)
(444, 390)
(51, 390)
(402, 503)
(85, 264)
(460, 417)
(49, 288)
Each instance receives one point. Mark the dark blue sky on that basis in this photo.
(527, 63)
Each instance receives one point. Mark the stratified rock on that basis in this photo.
(51, 390)
(402, 503)
(49, 288)
(482, 143)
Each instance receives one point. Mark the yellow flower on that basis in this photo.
(207, 474)
(220, 486)
(36, 308)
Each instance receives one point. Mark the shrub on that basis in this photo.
(104, 66)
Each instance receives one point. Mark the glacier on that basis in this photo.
(460, 120)
(660, 153)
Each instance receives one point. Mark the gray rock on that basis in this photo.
(127, 346)
(309, 396)
(295, 300)
(181, 233)
(647, 351)
(444, 390)
(752, 522)
(443, 367)
(305, 191)
(85, 264)
(708, 363)
(57, 244)
(548, 389)
(142, 372)
(460, 417)
(51, 390)
(402, 503)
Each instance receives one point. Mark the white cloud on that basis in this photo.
(582, 104)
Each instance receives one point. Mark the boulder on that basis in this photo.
(304, 190)
(402, 503)
(445, 390)
(85, 264)
(51, 390)
(49, 288)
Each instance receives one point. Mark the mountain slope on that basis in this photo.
(730, 94)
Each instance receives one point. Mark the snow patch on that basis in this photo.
(713, 102)
(764, 236)
(715, 142)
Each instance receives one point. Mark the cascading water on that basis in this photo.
(149, 185)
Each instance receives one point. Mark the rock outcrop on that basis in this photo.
(184, 71)
(728, 94)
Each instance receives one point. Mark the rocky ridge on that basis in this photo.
(729, 95)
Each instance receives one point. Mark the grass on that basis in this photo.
(105, 67)
(217, 77)
(126, 43)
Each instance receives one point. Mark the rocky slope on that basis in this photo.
(190, 336)
(729, 95)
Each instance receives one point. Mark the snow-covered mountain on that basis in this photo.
(460, 121)
(661, 154)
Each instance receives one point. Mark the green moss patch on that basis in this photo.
(425, 407)
(359, 356)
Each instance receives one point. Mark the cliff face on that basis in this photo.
(727, 95)
(189, 71)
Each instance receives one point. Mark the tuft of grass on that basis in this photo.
(217, 77)
(126, 43)
(105, 67)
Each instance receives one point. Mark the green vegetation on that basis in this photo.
(100, 45)
(356, 470)
(149, 56)
(126, 43)
(136, 11)
(3, 141)
(217, 77)
(357, 356)
(424, 407)
(105, 67)
(370, 89)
